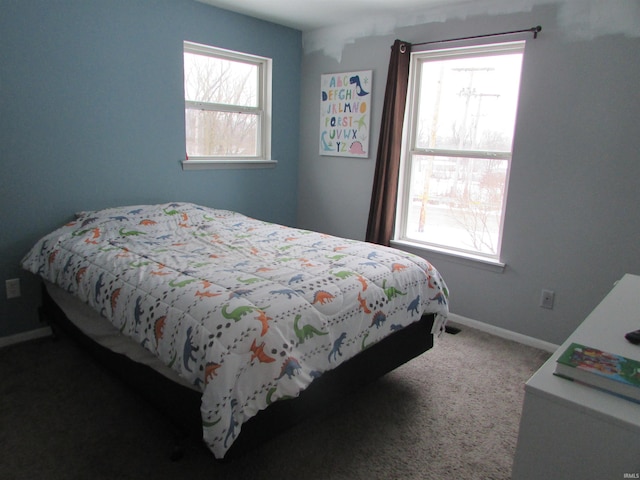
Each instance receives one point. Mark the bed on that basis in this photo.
(247, 325)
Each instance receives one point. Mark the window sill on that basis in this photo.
(228, 164)
(476, 261)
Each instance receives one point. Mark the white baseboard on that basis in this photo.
(503, 333)
(24, 337)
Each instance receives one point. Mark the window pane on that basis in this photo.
(221, 133)
(216, 80)
(468, 103)
(456, 202)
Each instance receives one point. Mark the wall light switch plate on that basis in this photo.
(546, 298)
(12, 286)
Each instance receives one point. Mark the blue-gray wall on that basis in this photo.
(92, 115)
(572, 221)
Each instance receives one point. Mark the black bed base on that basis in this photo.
(324, 392)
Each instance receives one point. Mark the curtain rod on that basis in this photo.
(534, 30)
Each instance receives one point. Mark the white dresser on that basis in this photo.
(571, 431)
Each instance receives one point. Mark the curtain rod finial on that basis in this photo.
(536, 30)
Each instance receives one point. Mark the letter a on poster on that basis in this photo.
(345, 107)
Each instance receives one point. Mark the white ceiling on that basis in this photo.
(329, 25)
(306, 15)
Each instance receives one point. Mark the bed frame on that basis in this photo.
(324, 393)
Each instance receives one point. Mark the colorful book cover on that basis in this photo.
(604, 370)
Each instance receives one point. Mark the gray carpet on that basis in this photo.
(451, 413)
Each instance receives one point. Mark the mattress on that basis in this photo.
(247, 311)
(97, 328)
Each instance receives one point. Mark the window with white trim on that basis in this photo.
(457, 150)
(227, 99)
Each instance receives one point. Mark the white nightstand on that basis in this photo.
(571, 431)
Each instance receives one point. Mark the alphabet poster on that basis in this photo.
(345, 107)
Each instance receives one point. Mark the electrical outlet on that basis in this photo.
(12, 286)
(546, 299)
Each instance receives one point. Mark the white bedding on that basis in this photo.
(247, 311)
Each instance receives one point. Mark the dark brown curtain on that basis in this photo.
(385, 182)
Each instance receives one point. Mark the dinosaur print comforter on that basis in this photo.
(247, 311)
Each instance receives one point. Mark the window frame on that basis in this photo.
(262, 111)
(409, 150)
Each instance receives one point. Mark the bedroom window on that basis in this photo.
(227, 98)
(459, 126)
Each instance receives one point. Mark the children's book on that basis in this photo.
(607, 371)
